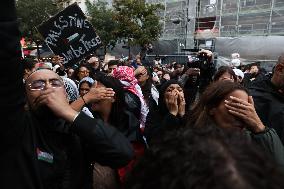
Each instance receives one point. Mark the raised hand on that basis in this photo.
(98, 93)
(172, 102)
(56, 100)
(58, 60)
(181, 104)
(246, 112)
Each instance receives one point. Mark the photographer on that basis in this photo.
(197, 75)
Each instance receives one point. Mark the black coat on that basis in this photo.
(38, 153)
(128, 125)
(269, 105)
(157, 124)
(133, 104)
(159, 120)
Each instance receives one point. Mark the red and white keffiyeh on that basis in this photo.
(126, 76)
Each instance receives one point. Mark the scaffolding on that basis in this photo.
(178, 20)
(234, 18)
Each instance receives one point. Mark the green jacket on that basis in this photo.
(270, 143)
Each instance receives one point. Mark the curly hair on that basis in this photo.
(203, 158)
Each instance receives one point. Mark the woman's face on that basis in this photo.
(83, 72)
(70, 73)
(221, 115)
(102, 105)
(84, 89)
(173, 88)
(226, 76)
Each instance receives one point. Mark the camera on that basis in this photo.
(203, 60)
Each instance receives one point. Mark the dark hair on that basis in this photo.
(257, 64)
(89, 84)
(76, 71)
(113, 62)
(162, 104)
(28, 63)
(222, 70)
(176, 65)
(211, 98)
(205, 158)
(119, 105)
(146, 89)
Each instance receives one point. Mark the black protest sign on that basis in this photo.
(70, 35)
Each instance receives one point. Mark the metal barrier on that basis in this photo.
(167, 59)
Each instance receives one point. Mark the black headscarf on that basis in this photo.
(162, 105)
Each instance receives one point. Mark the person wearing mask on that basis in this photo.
(51, 145)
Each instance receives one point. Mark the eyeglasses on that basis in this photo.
(38, 85)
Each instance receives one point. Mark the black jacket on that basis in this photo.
(269, 105)
(158, 124)
(133, 104)
(128, 125)
(250, 79)
(38, 154)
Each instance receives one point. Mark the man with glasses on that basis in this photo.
(150, 92)
(51, 145)
(268, 96)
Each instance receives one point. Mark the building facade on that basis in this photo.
(199, 20)
(235, 18)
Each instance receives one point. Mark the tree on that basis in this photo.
(137, 21)
(100, 16)
(32, 13)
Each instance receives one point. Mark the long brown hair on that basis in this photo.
(211, 98)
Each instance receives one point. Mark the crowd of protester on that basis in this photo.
(135, 124)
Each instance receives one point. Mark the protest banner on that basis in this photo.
(70, 35)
